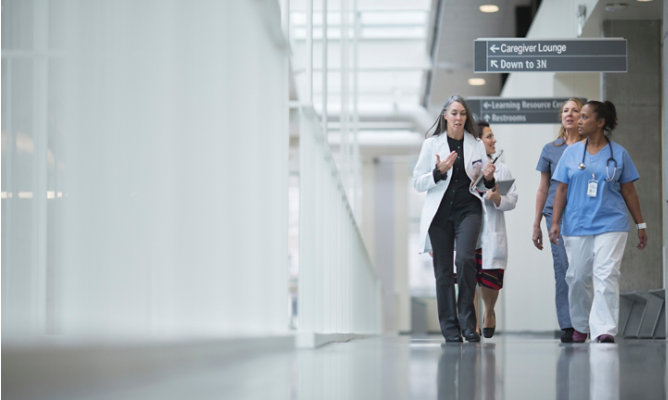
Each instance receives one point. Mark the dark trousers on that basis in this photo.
(455, 313)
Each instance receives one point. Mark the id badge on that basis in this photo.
(592, 187)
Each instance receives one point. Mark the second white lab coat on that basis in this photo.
(493, 238)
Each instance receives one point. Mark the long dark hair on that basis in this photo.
(441, 125)
(606, 111)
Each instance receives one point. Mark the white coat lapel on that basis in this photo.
(472, 158)
(442, 148)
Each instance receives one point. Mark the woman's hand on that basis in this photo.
(537, 237)
(557, 211)
(493, 195)
(555, 231)
(631, 198)
(642, 236)
(488, 171)
(445, 165)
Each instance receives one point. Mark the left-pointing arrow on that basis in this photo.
(494, 48)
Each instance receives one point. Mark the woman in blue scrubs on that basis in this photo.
(595, 188)
(547, 163)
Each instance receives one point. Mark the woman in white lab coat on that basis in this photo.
(492, 255)
(451, 159)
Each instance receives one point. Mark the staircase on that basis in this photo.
(642, 314)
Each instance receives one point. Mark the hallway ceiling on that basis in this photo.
(401, 68)
(630, 9)
(460, 23)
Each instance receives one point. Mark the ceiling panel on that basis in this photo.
(460, 23)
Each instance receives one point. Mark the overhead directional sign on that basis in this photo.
(499, 110)
(572, 55)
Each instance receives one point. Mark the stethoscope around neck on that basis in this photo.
(608, 178)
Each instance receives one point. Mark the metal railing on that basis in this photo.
(339, 291)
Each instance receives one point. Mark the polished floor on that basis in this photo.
(387, 367)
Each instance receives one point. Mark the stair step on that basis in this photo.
(642, 314)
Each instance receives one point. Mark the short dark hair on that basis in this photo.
(482, 124)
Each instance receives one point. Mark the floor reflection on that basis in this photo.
(604, 371)
(468, 371)
(572, 376)
(632, 369)
(385, 367)
(511, 368)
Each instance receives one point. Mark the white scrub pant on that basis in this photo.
(593, 281)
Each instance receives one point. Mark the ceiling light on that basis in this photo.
(476, 81)
(489, 8)
(644, 1)
(614, 7)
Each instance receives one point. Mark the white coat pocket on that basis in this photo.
(498, 251)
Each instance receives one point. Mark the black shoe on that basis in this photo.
(471, 335)
(455, 339)
(605, 339)
(489, 332)
(567, 335)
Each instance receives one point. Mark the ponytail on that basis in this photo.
(610, 116)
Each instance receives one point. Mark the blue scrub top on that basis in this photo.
(547, 162)
(585, 215)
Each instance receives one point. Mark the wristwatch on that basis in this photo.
(642, 225)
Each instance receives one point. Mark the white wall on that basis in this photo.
(528, 295)
(150, 147)
(385, 228)
(402, 175)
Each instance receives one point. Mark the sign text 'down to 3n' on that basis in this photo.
(571, 55)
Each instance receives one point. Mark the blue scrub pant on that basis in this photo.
(560, 261)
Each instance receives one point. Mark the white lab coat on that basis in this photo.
(493, 239)
(423, 178)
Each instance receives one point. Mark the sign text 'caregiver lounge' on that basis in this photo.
(573, 55)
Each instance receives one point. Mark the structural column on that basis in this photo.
(637, 97)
